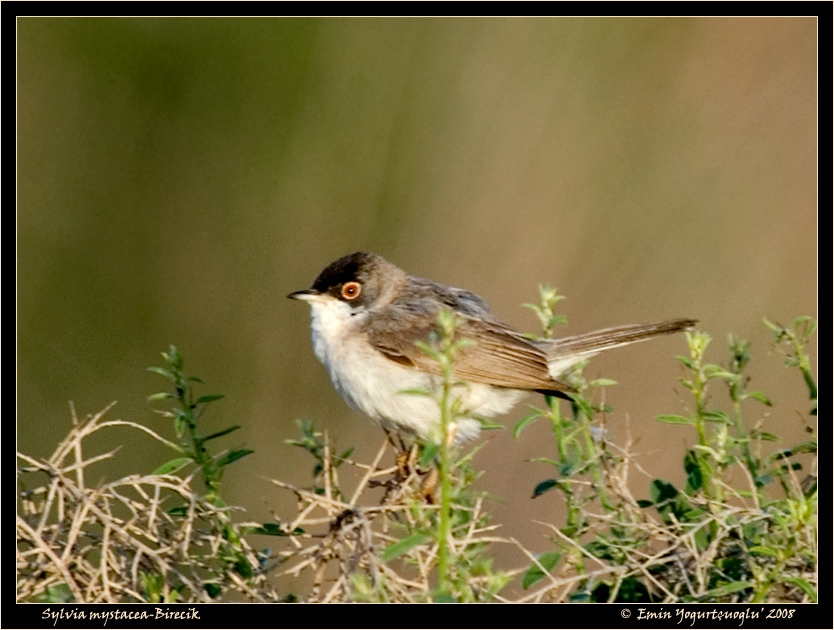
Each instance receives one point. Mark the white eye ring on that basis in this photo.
(351, 290)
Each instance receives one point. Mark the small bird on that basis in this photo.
(368, 315)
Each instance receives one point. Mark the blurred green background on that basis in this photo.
(178, 177)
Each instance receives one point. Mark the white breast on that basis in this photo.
(373, 384)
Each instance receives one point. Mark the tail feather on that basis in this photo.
(563, 353)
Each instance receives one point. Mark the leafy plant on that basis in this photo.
(417, 531)
(149, 538)
(186, 415)
(712, 542)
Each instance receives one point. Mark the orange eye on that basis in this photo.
(351, 290)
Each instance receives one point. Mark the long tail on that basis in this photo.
(563, 353)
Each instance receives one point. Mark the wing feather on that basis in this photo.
(500, 356)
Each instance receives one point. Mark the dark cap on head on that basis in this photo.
(379, 280)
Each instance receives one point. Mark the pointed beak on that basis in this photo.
(307, 295)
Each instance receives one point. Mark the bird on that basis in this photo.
(368, 315)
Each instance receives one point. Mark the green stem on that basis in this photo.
(200, 455)
(445, 492)
(558, 430)
(805, 367)
(448, 350)
(699, 382)
(561, 444)
(593, 456)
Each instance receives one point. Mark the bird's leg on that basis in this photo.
(407, 466)
(428, 488)
(405, 457)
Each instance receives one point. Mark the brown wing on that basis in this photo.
(501, 356)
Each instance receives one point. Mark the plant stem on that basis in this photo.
(445, 487)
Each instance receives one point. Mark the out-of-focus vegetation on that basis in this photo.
(428, 536)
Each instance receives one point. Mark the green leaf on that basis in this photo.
(160, 396)
(557, 320)
(214, 436)
(347, 453)
(811, 329)
(208, 398)
(163, 372)
(764, 479)
(534, 574)
(727, 589)
(460, 344)
(583, 405)
(695, 468)
(267, 529)
(487, 424)
(525, 420)
(801, 320)
(602, 382)
(715, 416)
(243, 567)
(180, 423)
(686, 361)
(213, 590)
(415, 391)
(173, 356)
(544, 486)
(547, 460)
(233, 456)
(804, 447)
(804, 585)
(661, 490)
(428, 455)
(172, 466)
(674, 419)
(760, 397)
(776, 328)
(57, 594)
(434, 354)
(759, 550)
(701, 536)
(686, 383)
(153, 584)
(722, 374)
(569, 531)
(404, 546)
